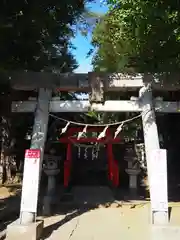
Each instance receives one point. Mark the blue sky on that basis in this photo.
(83, 44)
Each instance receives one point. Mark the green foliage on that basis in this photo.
(111, 50)
(35, 34)
(141, 35)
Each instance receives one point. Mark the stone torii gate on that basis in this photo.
(46, 82)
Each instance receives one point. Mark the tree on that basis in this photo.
(139, 36)
(111, 52)
(35, 35)
(142, 35)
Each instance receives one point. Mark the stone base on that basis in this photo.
(47, 202)
(160, 218)
(133, 193)
(165, 232)
(16, 231)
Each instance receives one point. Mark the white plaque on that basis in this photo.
(30, 185)
(158, 180)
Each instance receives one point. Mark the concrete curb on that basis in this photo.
(167, 232)
(16, 231)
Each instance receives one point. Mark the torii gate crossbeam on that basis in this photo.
(108, 106)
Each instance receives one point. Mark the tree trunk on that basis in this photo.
(8, 169)
(1, 174)
(2, 164)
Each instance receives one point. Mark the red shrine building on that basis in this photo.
(70, 139)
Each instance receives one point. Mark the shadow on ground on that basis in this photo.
(73, 203)
(9, 204)
(80, 200)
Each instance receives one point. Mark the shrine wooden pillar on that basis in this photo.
(113, 168)
(67, 165)
(110, 156)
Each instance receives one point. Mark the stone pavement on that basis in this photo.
(100, 223)
(104, 223)
(127, 221)
(98, 216)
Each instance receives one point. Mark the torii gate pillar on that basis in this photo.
(38, 140)
(151, 141)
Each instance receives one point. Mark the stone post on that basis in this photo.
(38, 139)
(133, 172)
(151, 141)
(51, 170)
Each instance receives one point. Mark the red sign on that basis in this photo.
(32, 153)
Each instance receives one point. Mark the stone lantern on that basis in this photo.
(133, 169)
(51, 169)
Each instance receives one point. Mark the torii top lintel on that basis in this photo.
(83, 82)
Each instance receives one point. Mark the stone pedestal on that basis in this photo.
(17, 231)
(48, 199)
(133, 174)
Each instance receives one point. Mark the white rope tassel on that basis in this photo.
(118, 130)
(63, 130)
(103, 133)
(81, 133)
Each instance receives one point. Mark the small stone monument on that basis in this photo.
(51, 170)
(96, 84)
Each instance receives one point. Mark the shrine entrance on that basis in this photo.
(144, 101)
(88, 157)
